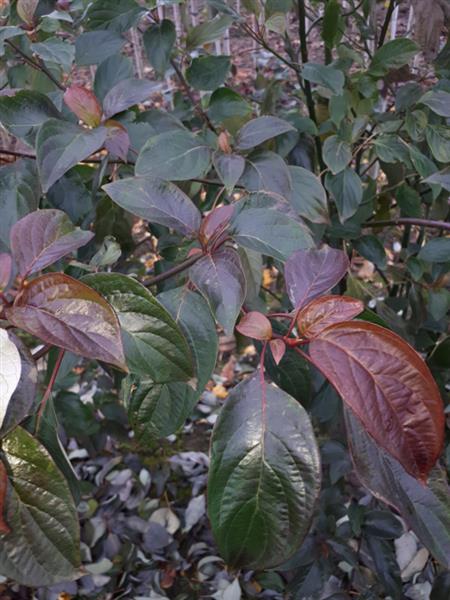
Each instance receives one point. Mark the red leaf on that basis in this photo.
(5, 269)
(71, 315)
(255, 325)
(278, 348)
(389, 388)
(43, 237)
(325, 311)
(4, 528)
(215, 223)
(310, 273)
(117, 139)
(84, 104)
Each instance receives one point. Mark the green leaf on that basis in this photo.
(208, 72)
(93, 47)
(112, 70)
(119, 16)
(438, 138)
(425, 508)
(267, 171)
(436, 250)
(229, 168)
(191, 312)
(23, 113)
(392, 55)
(259, 130)
(61, 145)
(324, 75)
(442, 178)
(228, 108)
(438, 101)
(371, 248)
(7, 33)
(156, 201)
(126, 93)
(336, 153)
(332, 24)
(19, 195)
(158, 410)
(391, 149)
(220, 279)
(175, 155)
(264, 477)
(42, 548)
(409, 201)
(154, 346)
(263, 225)
(159, 40)
(346, 189)
(55, 50)
(208, 31)
(308, 197)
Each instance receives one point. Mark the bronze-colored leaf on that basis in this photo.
(325, 311)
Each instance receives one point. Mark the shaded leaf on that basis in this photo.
(42, 238)
(346, 189)
(219, 277)
(392, 55)
(84, 104)
(267, 171)
(156, 201)
(56, 51)
(215, 223)
(43, 545)
(126, 93)
(324, 75)
(229, 168)
(159, 40)
(438, 101)
(208, 31)
(308, 196)
(208, 72)
(436, 250)
(118, 16)
(337, 153)
(93, 47)
(264, 476)
(371, 248)
(117, 139)
(67, 313)
(61, 145)
(113, 69)
(310, 273)
(153, 344)
(325, 311)
(388, 386)
(426, 509)
(174, 155)
(23, 113)
(259, 130)
(191, 312)
(7, 33)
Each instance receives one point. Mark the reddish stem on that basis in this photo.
(49, 389)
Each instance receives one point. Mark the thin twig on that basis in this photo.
(409, 221)
(35, 64)
(49, 389)
(42, 351)
(174, 270)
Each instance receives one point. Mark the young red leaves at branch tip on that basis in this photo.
(214, 225)
(389, 388)
(310, 273)
(84, 104)
(325, 311)
(278, 349)
(255, 325)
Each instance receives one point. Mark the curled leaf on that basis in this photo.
(255, 325)
(389, 388)
(84, 104)
(325, 311)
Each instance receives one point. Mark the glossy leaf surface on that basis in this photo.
(325, 311)
(67, 313)
(42, 238)
(264, 476)
(156, 201)
(193, 315)
(43, 545)
(310, 273)
(61, 145)
(220, 278)
(388, 386)
(259, 130)
(255, 325)
(153, 344)
(229, 168)
(308, 197)
(426, 509)
(126, 93)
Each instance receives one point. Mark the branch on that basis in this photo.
(191, 96)
(174, 270)
(385, 26)
(36, 64)
(410, 221)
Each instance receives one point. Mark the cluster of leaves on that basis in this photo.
(247, 196)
